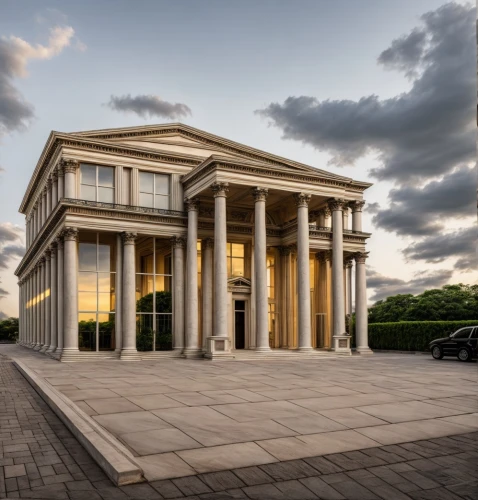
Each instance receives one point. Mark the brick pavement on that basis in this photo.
(39, 458)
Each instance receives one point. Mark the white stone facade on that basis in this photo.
(169, 241)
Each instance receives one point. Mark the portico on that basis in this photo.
(189, 255)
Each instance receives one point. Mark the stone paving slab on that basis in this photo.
(56, 466)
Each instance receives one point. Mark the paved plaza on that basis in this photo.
(389, 426)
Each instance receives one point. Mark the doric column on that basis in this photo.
(338, 296)
(54, 189)
(128, 349)
(361, 312)
(260, 269)
(61, 182)
(119, 295)
(60, 303)
(218, 343)
(357, 207)
(70, 290)
(70, 167)
(303, 272)
(207, 287)
(348, 285)
(53, 300)
(179, 297)
(191, 349)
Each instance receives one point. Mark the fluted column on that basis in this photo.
(179, 296)
(361, 311)
(338, 296)
(348, 285)
(260, 269)
(219, 343)
(48, 197)
(70, 167)
(60, 303)
(36, 291)
(191, 348)
(42, 304)
(61, 182)
(47, 300)
(128, 349)
(35, 220)
(54, 189)
(303, 272)
(357, 207)
(207, 289)
(44, 205)
(70, 290)
(53, 301)
(28, 310)
(119, 295)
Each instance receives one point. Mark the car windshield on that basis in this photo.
(462, 334)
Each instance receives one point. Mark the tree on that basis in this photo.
(450, 303)
(9, 329)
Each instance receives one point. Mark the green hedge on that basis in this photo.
(411, 335)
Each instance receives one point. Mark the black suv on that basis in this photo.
(463, 344)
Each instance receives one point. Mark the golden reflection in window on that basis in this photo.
(270, 276)
(235, 259)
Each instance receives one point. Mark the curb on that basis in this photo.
(115, 460)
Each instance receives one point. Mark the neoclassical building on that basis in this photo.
(166, 240)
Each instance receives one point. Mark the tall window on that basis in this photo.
(154, 190)
(235, 260)
(96, 291)
(154, 313)
(97, 183)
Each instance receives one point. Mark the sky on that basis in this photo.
(377, 90)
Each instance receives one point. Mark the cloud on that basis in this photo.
(15, 53)
(385, 286)
(3, 316)
(419, 134)
(149, 105)
(10, 249)
(421, 211)
(437, 248)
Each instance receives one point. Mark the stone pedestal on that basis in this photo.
(341, 344)
(218, 347)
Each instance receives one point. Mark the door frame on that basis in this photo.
(247, 314)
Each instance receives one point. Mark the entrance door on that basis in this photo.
(240, 324)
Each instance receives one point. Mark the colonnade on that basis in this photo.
(49, 291)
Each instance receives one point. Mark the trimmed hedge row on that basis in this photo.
(411, 335)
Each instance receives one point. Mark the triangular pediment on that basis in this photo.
(239, 281)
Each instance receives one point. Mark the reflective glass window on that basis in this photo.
(154, 190)
(97, 183)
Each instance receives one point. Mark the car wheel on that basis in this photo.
(437, 352)
(464, 354)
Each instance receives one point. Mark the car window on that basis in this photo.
(464, 333)
(475, 334)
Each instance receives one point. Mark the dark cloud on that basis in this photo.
(3, 316)
(437, 248)
(9, 248)
(10, 252)
(3, 293)
(419, 134)
(384, 286)
(15, 53)
(421, 211)
(149, 106)
(9, 232)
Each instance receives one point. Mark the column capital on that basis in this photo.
(337, 204)
(208, 242)
(191, 204)
(302, 199)
(70, 234)
(54, 175)
(324, 256)
(356, 205)
(53, 247)
(220, 189)
(45, 191)
(348, 261)
(325, 211)
(41, 261)
(59, 240)
(47, 254)
(260, 193)
(360, 257)
(178, 242)
(69, 165)
(49, 182)
(60, 171)
(128, 238)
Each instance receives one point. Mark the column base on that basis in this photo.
(341, 344)
(44, 348)
(193, 353)
(37, 347)
(130, 355)
(364, 351)
(51, 350)
(218, 347)
(262, 349)
(305, 349)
